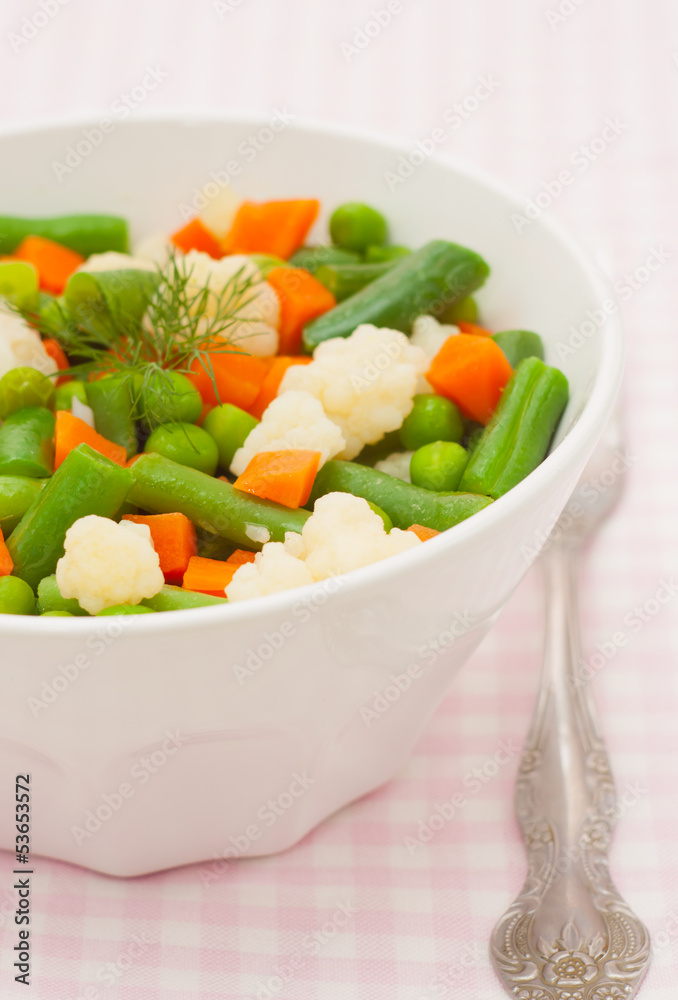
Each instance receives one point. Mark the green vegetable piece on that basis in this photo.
(111, 401)
(311, 258)
(86, 234)
(344, 280)
(85, 483)
(66, 392)
(16, 597)
(388, 523)
(373, 453)
(171, 398)
(186, 444)
(125, 609)
(56, 614)
(355, 226)
(50, 600)
(211, 546)
(405, 504)
(438, 466)
(266, 262)
(519, 432)
(106, 302)
(21, 387)
(432, 418)
(381, 255)
(27, 443)
(175, 599)
(162, 486)
(518, 345)
(465, 309)
(427, 281)
(19, 283)
(229, 426)
(17, 493)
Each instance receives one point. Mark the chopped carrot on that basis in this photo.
(472, 372)
(196, 236)
(208, 576)
(473, 328)
(283, 476)
(71, 431)
(422, 532)
(54, 262)
(302, 298)
(174, 539)
(274, 227)
(238, 377)
(6, 561)
(54, 350)
(240, 557)
(271, 384)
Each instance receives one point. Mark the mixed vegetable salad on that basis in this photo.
(228, 412)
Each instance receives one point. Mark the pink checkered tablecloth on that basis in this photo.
(352, 913)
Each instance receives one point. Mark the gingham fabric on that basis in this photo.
(352, 913)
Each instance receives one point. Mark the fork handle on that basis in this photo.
(569, 932)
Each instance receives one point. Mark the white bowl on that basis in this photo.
(145, 748)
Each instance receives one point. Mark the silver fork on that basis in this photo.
(569, 935)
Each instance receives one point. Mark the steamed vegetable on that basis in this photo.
(472, 372)
(438, 466)
(71, 431)
(177, 599)
(519, 344)
(16, 597)
(111, 401)
(185, 444)
(271, 227)
(355, 226)
(344, 280)
(27, 443)
(21, 387)
(196, 236)
(86, 234)
(53, 262)
(174, 539)
(17, 493)
(302, 298)
(283, 476)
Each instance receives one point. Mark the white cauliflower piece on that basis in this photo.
(365, 382)
(82, 411)
(107, 563)
(21, 346)
(342, 533)
(220, 209)
(396, 464)
(256, 306)
(155, 249)
(114, 261)
(293, 420)
(430, 335)
(274, 569)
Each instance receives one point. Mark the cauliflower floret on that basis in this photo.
(430, 335)
(396, 464)
(114, 261)
(293, 420)
(155, 249)
(274, 569)
(256, 305)
(107, 563)
(365, 382)
(220, 210)
(21, 346)
(342, 533)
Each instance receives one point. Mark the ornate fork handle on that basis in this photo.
(569, 935)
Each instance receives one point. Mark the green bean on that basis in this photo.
(229, 426)
(125, 609)
(19, 283)
(519, 432)
(519, 344)
(50, 600)
(66, 392)
(432, 418)
(405, 504)
(465, 309)
(56, 614)
(438, 466)
(17, 493)
(344, 280)
(16, 597)
(355, 226)
(175, 599)
(106, 303)
(85, 483)
(86, 234)
(186, 444)
(266, 262)
(162, 486)
(311, 258)
(381, 255)
(111, 401)
(388, 523)
(27, 443)
(373, 453)
(21, 387)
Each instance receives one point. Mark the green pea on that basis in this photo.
(16, 597)
(388, 523)
(185, 444)
(66, 392)
(21, 387)
(383, 255)
(439, 466)
(56, 614)
(266, 262)
(179, 401)
(432, 418)
(126, 609)
(229, 426)
(355, 226)
(465, 309)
